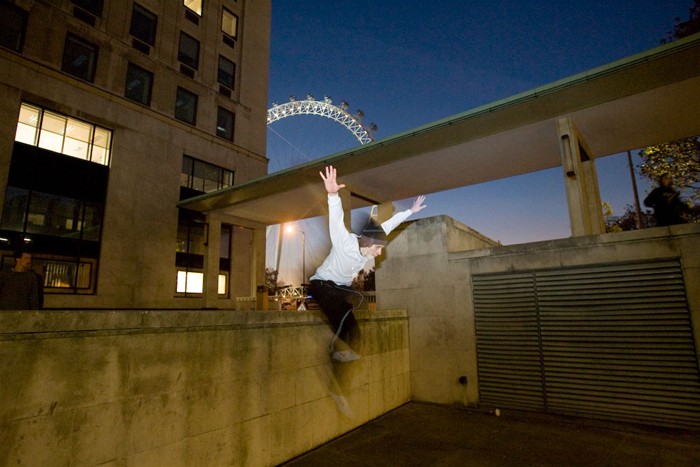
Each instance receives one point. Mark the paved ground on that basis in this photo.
(428, 435)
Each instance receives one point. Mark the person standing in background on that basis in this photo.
(19, 286)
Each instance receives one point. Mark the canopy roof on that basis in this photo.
(646, 99)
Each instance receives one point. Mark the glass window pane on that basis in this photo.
(225, 251)
(101, 142)
(228, 179)
(143, 24)
(76, 148)
(78, 130)
(54, 123)
(186, 106)
(54, 215)
(84, 276)
(194, 5)
(93, 6)
(224, 124)
(227, 72)
(186, 174)
(196, 240)
(199, 175)
(139, 83)
(213, 178)
(190, 282)
(27, 124)
(13, 25)
(15, 210)
(188, 53)
(229, 23)
(50, 141)
(59, 274)
(79, 58)
(92, 222)
(222, 284)
(78, 135)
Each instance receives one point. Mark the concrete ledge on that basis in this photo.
(57, 321)
(194, 387)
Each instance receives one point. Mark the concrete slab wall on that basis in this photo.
(182, 388)
(428, 269)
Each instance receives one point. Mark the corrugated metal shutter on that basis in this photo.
(508, 344)
(615, 341)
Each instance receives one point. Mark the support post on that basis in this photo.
(580, 181)
(210, 295)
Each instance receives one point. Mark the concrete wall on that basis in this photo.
(428, 272)
(183, 388)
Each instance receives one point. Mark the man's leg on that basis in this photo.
(333, 301)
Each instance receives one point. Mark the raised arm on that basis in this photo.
(330, 181)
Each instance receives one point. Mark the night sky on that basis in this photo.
(408, 63)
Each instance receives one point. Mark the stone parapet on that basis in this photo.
(188, 387)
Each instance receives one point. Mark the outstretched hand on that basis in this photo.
(330, 181)
(418, 204)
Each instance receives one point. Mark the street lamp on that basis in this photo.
(290, 229)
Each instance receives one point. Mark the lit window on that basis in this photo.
(63, 134)
(79, 58)
(229, 23)
(27, 124)
(77, 140)
(194, 5)
(193, 282)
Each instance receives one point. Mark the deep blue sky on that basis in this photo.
(407, 63)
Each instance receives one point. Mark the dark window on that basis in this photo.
(227, 72)
(13, 27)
(203, 176)
(186, 106)
(224, 123)
(188, 53)
(139, 83)
(93, 6)
(79, 58)
(143, 24)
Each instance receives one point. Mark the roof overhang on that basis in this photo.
(646, 99)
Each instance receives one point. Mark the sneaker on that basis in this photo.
(345, 356)
(342, 405)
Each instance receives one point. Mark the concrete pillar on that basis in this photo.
(580, 181)
(257, 266)
(210, 292)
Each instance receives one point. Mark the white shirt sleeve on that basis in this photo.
(395, 220)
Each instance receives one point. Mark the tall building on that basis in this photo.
(111, 113)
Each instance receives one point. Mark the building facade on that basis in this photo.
(113, 112)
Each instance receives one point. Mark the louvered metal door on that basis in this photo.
(608, 341)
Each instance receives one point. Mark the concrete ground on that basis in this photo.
(430, 435)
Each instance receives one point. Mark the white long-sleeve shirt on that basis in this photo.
(345, 261)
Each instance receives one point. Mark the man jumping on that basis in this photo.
(331, 284)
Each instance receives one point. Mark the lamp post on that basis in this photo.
(290, 229)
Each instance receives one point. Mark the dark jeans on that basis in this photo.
(333, 299)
